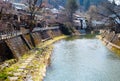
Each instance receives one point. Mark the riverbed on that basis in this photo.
(83, 58)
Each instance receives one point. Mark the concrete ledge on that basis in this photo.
(113, 47)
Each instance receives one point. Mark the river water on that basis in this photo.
(83, 59)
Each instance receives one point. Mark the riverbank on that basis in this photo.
(32, 65)
(83, 59)
(111, 41)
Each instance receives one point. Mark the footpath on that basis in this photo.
(32, 66)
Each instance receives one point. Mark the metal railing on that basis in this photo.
(47, 28)
(7, 35)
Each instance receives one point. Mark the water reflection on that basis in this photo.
(83, 59)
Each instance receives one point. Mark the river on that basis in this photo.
(83, 59)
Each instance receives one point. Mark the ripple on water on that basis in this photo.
(83, 60)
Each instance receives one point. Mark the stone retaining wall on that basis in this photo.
(19, 45)
(111, 40)
(32, 66)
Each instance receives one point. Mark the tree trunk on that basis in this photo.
(32, 39)
(1, 13)
(31, 28)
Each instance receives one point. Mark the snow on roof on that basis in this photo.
(97, 22)
(118, 20)
(54, 10)
(76, 15)
(114, 15)
(61, 7)
(19, 6)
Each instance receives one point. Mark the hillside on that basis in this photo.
(84, 3)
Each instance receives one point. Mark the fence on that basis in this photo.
(7, 35)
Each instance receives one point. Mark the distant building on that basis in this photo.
(19, 6)
(80, 22)
(97, 23)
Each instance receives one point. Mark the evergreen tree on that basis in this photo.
(86, 4)
(71, 7)
(81, 2)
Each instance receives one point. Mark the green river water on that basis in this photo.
(83, 58)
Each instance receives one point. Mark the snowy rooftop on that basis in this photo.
(54, 10)
(19, 6)
(97, 22)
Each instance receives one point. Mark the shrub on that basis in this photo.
(65, 30)
(3, 76)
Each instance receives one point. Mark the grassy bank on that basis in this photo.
(32, 65)
(51, 41)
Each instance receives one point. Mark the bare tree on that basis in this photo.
(91, 15)
(33, 7)
(4, 7)
(111, 11)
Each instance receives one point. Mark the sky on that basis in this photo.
(116, 1)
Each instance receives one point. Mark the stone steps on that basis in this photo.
(16, 74)
(21, 69)
(13, 78)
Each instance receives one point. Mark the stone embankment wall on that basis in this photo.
(111, 40)
(17, 46)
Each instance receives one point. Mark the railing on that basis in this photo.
(8, 35)
(47, 28)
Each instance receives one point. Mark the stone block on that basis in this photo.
(13, 78)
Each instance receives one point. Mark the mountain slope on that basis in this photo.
(84, 3)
